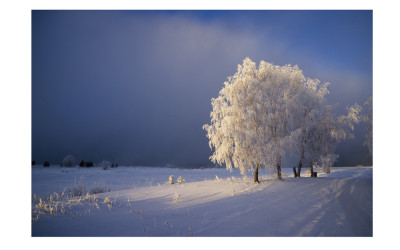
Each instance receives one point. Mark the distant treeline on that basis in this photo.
(83, 163)
(87, 164)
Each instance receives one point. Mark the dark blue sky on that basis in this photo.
(135, 86)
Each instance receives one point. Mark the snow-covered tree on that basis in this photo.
(251, 120)
(105, 164)
(68, 161)
(307, 119)
(262, 113)
(327, 132)
(326, 162)
(367, 118)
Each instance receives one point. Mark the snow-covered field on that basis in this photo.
(211, 202)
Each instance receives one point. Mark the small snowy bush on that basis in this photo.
(233, 192)
(180, 180)
(94, 198)
(107, 201)
(78, 189)
(100, 189)
(190, 233)
(44, 208)
(171, 179)
(34, 198)
(177, 198)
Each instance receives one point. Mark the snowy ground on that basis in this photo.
(211, 202)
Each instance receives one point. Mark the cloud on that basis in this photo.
(140, 85)
(136, 86)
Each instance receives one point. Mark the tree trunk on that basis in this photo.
(299, 167)
(312, 169)
(294, 172)
(256, 174)
(302, 153)
(278, 168)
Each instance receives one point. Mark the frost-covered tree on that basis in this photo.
(326, 162)
(252, 118)
(327, 132)
(68, 161)
(261, 113)
(105, 165)
(367, 118)
(312, 99)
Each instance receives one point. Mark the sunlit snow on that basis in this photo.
(210, 202)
